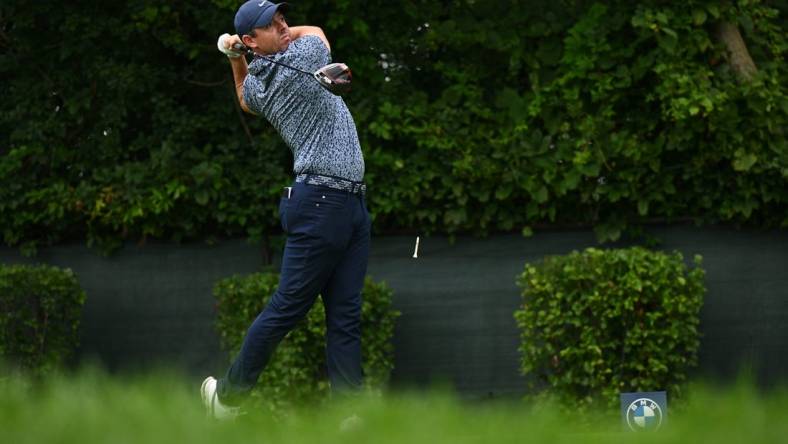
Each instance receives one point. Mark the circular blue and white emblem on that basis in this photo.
(644, 414)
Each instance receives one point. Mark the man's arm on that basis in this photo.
(297, 32)
(240, 71)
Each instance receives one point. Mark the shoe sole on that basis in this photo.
(208, 405)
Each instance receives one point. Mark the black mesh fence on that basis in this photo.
(152, 305)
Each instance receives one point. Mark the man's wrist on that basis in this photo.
(226, 49)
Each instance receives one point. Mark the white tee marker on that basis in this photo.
(416, 251)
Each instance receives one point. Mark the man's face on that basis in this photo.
(271, 39)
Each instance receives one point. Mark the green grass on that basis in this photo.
(91, 407)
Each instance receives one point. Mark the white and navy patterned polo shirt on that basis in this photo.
(315, 124)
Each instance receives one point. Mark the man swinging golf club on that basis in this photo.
(323, 213)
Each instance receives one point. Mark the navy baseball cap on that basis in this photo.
(256, 14)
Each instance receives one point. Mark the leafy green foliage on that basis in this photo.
(297, 371)
(601, 322)
(121, 123)
(40, 312)
(602, 113)
(474, 117)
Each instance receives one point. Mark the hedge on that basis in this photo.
(474, 117)
(40, 313)
(297, 371)
(600, 322)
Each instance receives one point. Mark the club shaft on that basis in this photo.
(252, 53)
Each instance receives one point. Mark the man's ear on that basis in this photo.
(248, 41)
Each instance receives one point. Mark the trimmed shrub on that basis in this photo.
(297, 371)
(601, 322)
(40, 311)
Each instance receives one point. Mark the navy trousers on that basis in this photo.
(328, 237)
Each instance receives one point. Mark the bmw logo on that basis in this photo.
(644, 414)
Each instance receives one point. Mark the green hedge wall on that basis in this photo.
(600, 322)
(297, 371)
(40, 313)
(119, 121)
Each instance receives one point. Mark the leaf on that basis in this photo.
(643, 207)
(744, 161)
(541, 195)
(670, 32)
(668, 42)
(202, 197)
(607, 232)
(698, 16)
(502, 192)
(746, 23)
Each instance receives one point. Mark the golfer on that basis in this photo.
(323, 213)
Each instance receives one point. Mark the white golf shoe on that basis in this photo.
(351, 423)
(215, 408)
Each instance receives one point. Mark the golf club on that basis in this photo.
(335, 77)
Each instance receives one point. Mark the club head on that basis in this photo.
(335, 77)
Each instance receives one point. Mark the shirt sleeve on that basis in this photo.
(312, 50)
(253, 93)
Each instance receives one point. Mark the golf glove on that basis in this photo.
(227, 51)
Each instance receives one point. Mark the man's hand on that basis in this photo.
(225, 45)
